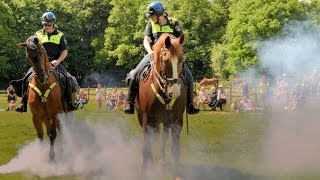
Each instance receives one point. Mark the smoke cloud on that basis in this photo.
(290, 143)
(86, 148)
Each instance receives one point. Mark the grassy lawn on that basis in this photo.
(220, 145)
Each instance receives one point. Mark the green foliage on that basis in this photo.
(205, 26)
(252, 21)
(122, 40)
(10, 57)
(221, 36)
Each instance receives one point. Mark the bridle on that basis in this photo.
(162, 80)
(33, 51)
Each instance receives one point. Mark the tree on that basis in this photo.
(204, 23)
(11, 58)
(123, 37)
(252, 21)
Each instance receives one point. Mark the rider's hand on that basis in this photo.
(55, 63)
(150, 52)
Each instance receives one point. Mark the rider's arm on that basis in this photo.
(63, 55)
(64, 51)
(147, 41)
(147, 44)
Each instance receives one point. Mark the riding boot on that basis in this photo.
(24, 103)
(129, 106)
(72, 105)
(189, 81)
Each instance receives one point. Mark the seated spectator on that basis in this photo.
(121, 98)
(247, 104)
(109, 104)
(83, 99)
(12, 106)
(114, 99)
(221, 97)
(235, 105)
(213, 97)
(11, 95)
(203, 98)
(292, 105)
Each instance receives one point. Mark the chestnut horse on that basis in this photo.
(162, 99)
(209, 81)
(44, 96)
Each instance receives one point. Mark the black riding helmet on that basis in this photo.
(48, 18)
(155, 8)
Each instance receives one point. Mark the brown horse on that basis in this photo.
(44, 92)
(162, 99)
(209, 81)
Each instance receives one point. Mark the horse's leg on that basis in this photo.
(164, 139)
(146, 149)
(38, 126)
(51, 125)
(175, 150)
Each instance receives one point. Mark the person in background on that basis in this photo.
(222, 97)
(12, 106)
(100, 93)
(203, 98)
(159, 23)
(213, 98)
(11, 96)
(83, 99)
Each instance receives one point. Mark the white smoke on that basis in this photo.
(86, 148)
(290, 143)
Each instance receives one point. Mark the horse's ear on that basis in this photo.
(22, 44)
(36, 40)
(181, 39)
(167, 42)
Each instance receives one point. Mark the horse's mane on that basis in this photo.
(175, 48)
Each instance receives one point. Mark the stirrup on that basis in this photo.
(72, 106)
(129, 108)
(192, 109)
(21, 109)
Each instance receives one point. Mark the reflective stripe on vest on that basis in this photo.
(156, 28)
(53, 38)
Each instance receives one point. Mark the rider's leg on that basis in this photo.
(189, 79)
(133, 89)
(24, 101)
(68, 91)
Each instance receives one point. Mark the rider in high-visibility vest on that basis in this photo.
(56, 47)
(158, 23)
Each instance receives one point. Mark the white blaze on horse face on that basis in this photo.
(175, 87)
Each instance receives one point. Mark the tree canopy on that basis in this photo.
(222, 36)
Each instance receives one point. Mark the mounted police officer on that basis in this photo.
(158, 23)
(55, 45)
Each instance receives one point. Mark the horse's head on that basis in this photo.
(38, 58)
(168, 57)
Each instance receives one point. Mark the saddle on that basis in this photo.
(142, 73)
(67, 83)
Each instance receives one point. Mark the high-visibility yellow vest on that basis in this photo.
(168, 28)
(44, 38)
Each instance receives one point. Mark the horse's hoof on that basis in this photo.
(52, 155)
(161, 162)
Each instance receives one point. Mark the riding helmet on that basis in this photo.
(155, 8)
(48, 18)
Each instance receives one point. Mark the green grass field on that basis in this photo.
(220, 145)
